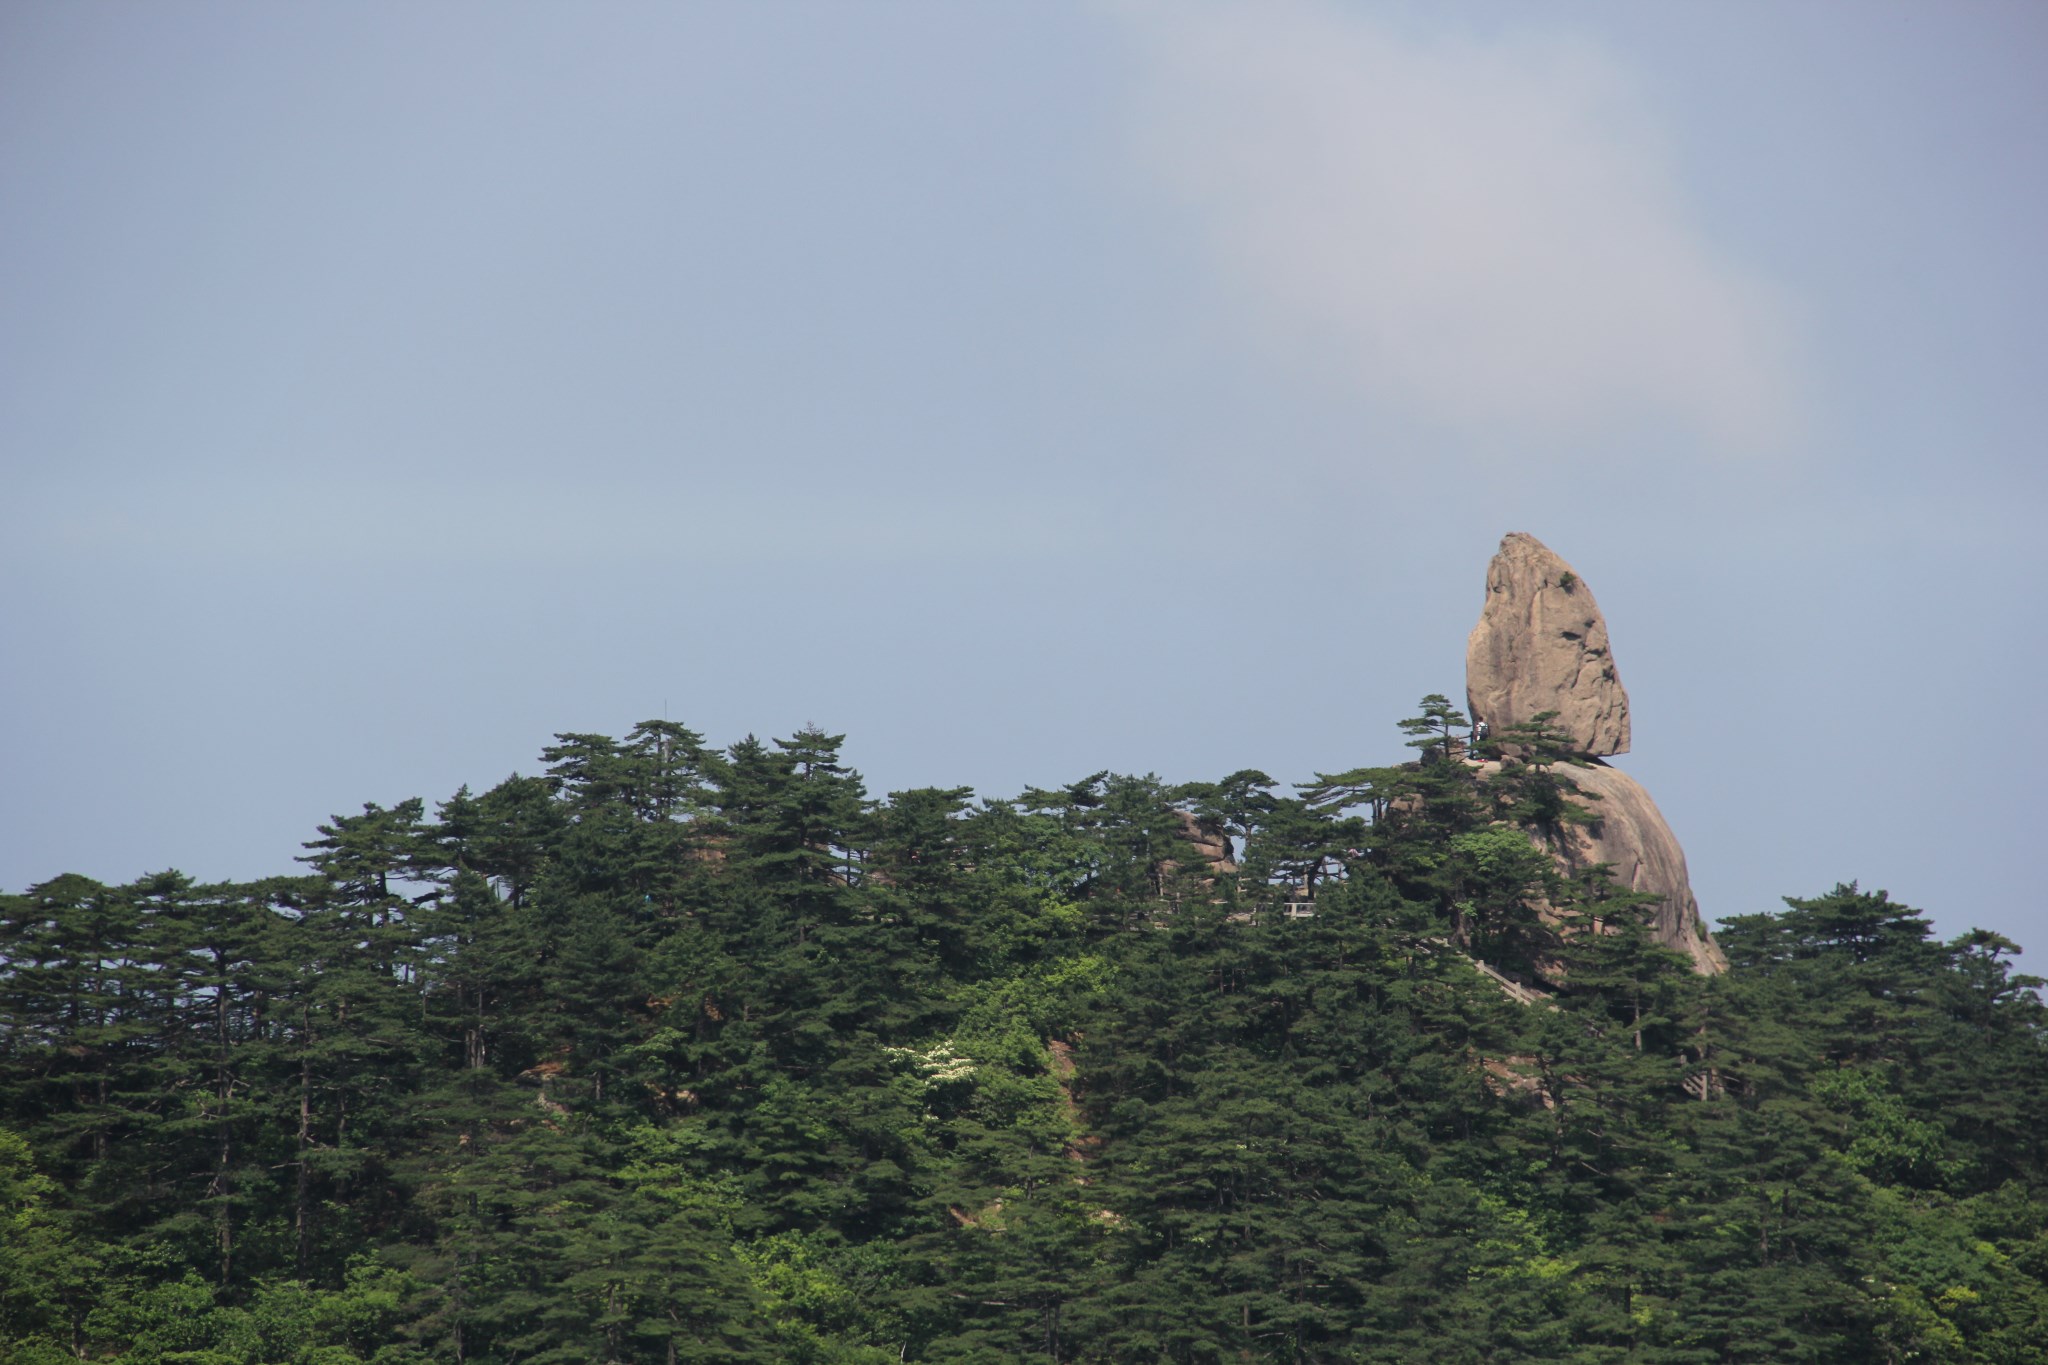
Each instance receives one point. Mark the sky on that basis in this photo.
(1021, 390)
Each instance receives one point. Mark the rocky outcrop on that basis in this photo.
(1642, 855)
(1211, 842)
(1211, 845)
(1541, 645)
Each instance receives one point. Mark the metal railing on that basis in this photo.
(1513, 989)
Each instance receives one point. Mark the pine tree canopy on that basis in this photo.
(675, 1053)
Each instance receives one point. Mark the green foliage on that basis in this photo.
(671, 1054)
(47, 1279)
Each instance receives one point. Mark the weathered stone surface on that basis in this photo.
(1644, 854)
(1212, 851)
(1541, 645)
(1212, 844)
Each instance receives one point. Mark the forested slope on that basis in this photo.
(676, 1054)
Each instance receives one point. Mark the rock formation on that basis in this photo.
(1212, 851)
(1643, 855)
(1211, 842)
(1541, 645)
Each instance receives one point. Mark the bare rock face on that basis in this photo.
(1541, 645)
(1212, 844)
(1643, 855)
(1211, 847)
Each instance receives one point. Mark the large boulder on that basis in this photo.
(1541, 645)
(1211, 845)
(1642, 854)
(1211, 841)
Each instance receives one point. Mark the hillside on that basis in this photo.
(680, 1054)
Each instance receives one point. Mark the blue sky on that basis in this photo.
(1021, 390)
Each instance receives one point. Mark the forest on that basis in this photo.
(679, 1053)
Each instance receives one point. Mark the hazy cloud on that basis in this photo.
(1483, 231)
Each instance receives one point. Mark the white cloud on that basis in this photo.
(1483, 232)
